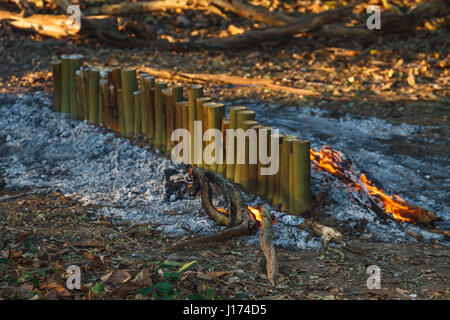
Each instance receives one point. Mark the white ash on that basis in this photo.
(41, 148)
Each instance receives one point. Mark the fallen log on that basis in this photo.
(240, 8)
(226, 79)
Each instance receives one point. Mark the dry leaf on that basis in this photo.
(116, 276)
(143, 278)
(411, 79)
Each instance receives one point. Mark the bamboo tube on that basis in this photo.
(94, 77)
(194, 92)
(291, 184)
(79, 91)
(241, 116)
(159, 141)
(76, 61)
(112, 98)
(245, 168)
(253, 169)
(275, 179)
(148, 111)
(230, 171)
(201, 116)
(302, 174)
(143, 108)
(56, 73)
(177, 93)
(182, 115)
(104, 101)
(221, 168)
(121, 112)
(65, 83)
(85, 84)
(284, 172)
(100, 106)
(169, 117)
(117, 83)
(129, 86)
(262, 179)
(216, 112)
(137, 112)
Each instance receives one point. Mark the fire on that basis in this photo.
(255, 213)
(335, 163)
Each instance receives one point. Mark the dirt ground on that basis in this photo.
(403, 78)
(41, 234)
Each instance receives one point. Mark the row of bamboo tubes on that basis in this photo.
(140, 105)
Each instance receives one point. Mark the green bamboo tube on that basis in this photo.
(75, 63)
(253, 169)
(216, 112)
(169, 117)
(275, 179)
(221, 168)
(245, 168)
(201, 116)
(230, 170)
(80, 91)
(65, 83)
(85, 84)
(117, 83)
(181, 117)
(129, 86)
(94, 77)
(121, 112)
(144, 124)
(137, 113)
(148, 101)
(194, 92)
(284, 172)
(262, 179)
(100, 106)
(159, 141)
(241, 117)
(56, 73)
(302, 175)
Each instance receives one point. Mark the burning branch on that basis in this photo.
(335, 163)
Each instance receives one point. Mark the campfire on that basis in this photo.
(335, 163)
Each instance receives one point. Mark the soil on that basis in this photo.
(44, 233)
(401, 79)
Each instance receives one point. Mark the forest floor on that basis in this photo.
(42, 234)
(401, 79)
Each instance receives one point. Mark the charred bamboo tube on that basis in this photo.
(159, 141)
(121, 112)
(94, 77)
(216, 112)
(253, 168)
(233, 125)
(129, 86)
(194, 92)
(56, 73)
(245, 168)
(275, 179)
(263, 141)
(137, 112)
(225, 125)
(85, 84)
(117, 83)
(241, 117)
(284, 172)
(169, 117)
(104, 102)
(75, 63)
(302, 175)
(148, 110)
(65, 83)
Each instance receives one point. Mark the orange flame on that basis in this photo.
(334, 162)
(255, 213)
